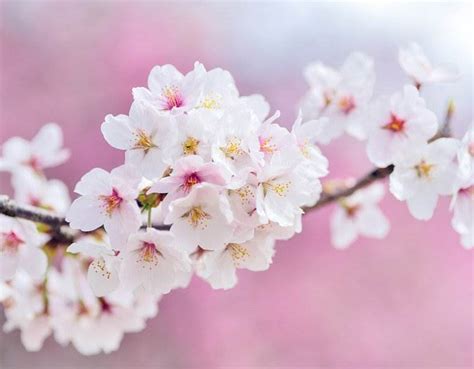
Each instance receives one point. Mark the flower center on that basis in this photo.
(111, 202)
(196, 216)
(238, 253)
(190, 146)
(149, 253)
(347, 104)
(232, 149)
(210, 102)
(423, 169)
(189, 181)
(395, 124)
(467, 191)
(172, 97)
(266, 145)
(280, 188)
(350, 209)
(143, 141)
(10, 242)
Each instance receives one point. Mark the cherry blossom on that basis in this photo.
(465, 154)
(43, 151)
(397, 124)
(143, 134)
(20, 244)
(154, 262)
(416, 65)
(341, 95)
(107, 199)
(171, 91)
(423, 173)
(462, 205)
(359, 214)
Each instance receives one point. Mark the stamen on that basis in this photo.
(210, 102)
(266, 145)
(172, 97)
(280, 189)
(232, 149)
(190, 146)
(197, 217)
(143, 141)
(347, 104)
(395, 124)
(190, 181)
(238, 252)
(423, 169)
(111, 202)
(148, 255)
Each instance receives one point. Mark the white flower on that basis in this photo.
(359, 214)
(20, 249)
(219, 267)
(103, 271)
(43, 151)
(169, 90)
(237, 146)
(274, 139)
(463, 206)
(397, 124)
(30, 189)
(257, 104)
(154, 262)
(342, 96)
(203, 218)
(416, 65)
(107, 199)
(423, 173)
(143, 134)
(194, 135)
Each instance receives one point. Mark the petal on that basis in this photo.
(35, 332)
(86, 214)
(102, 277)
(33, 261)
(422, 204)
(372, 222)
(95, 182)
(117, 131)
(343, 229)
(8, 266)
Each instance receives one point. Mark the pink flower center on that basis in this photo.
(467, 191)
(395, 124)
(172, 97)
(10, 242)
(351, 210)
(105, 306)
(34, 164)
(189, 181)
(149, 253)
(266, 145)
(347, 104)
(111, 202)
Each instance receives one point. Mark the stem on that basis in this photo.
(149, 218)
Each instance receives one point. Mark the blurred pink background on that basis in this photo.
(406, 302)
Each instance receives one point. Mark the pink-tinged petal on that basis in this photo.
(118, 132)
(86, 213)
(15, 151)
(126, 219)
(33, 261)
(8, 266)
(95, 182)
(423, 204)
(162, 76)
(217, 268)
(35, 332)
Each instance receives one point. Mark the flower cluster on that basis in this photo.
(400, 131)
(43, 289)
(209, 182)
(209, 164)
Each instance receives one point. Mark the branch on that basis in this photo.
(368, 179)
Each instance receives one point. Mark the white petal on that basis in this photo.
(117, 131)
(372, 222)
(33, 261)
(102, 277)
(95, 182)
(422, 204)
(86, 214)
